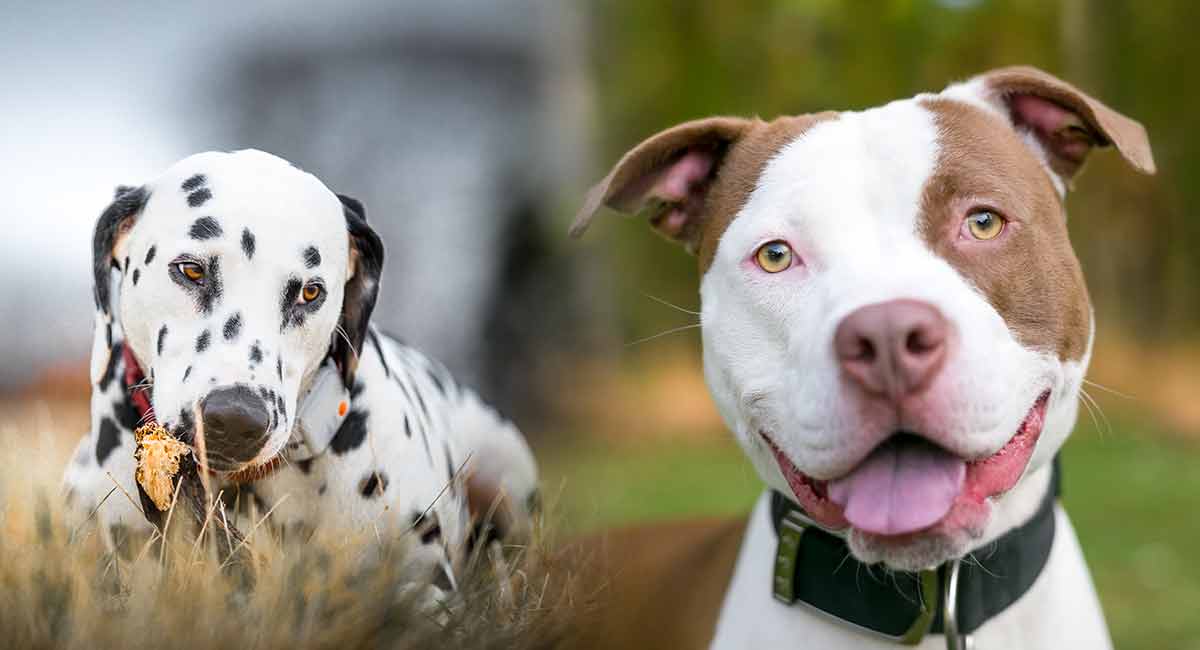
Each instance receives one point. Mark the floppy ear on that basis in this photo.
(1063, 123)
(667, 178)
(112, 226)
(362, 287)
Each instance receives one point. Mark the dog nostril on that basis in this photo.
(919, 342)
(866, 351)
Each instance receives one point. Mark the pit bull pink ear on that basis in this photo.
(667, 178)
(1065, 123)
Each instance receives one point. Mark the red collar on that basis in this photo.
(138, 394)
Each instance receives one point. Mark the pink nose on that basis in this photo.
(892, 349)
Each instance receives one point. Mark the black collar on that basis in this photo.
(814, 567)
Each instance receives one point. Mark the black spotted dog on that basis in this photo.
(235, 292)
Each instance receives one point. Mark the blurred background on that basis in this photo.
(470, 129)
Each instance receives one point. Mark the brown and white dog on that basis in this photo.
(896, 328)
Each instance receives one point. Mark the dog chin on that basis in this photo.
(926, 549)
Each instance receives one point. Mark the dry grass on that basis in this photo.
(62, 588)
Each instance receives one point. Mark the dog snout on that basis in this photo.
(893, 349)
(235, 425)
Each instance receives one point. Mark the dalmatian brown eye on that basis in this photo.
(192, 271)
(985, 224)
(311, 292)
(774, 256)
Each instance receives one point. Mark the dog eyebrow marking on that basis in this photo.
(205, 228)
(248, 243)
(150, 254)
(107, 439)
(202, 341)
(256, 354)
(137, 273)
(373, 485)
(312, 257)
(233, 326)
(162, 338)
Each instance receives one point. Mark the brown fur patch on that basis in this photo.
(1031, 275)
(739, 174)
(659, 586)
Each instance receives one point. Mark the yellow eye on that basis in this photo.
(192, 271)
(985, 224)
(774, 256)
(311, 292)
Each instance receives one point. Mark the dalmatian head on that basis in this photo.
(233, 278)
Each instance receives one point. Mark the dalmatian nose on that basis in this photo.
(893, 349)
(235, 425)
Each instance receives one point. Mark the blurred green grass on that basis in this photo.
(1132, 490)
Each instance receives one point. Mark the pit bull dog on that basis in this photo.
(896, 329)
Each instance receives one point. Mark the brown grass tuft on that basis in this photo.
(62, 588)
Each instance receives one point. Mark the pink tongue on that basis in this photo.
(904, 485)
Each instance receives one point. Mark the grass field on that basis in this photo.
(1133, 493)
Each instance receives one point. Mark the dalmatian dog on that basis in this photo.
(233, 296)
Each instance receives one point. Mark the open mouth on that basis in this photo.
(908, 485)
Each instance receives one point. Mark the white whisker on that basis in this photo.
(1108, 390)
(670, 331)
(671, 305)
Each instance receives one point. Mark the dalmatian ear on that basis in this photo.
(362, 287)
(112, 226)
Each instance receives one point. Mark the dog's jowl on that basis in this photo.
(233, 303)
(896, 329)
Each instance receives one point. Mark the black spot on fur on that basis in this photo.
(407, 427)
(186, 428)
(248, 243)
(279, 367)
(351, 434)
(108, 438)
(305, 466)
(203, 340)
(126, 263)
(281, 405)
(108, 335)
(321, 490)
(137, 273)
(387, 372)
(210, 292)
(287, 300)
(256, 354)
(233, 326)
(312, 257)
(150, 254)
(186, 373)
(162, 339)
(199, 197)
(427, 525)
(373, 485)
(205, 228)
(194, 183)
(126, 413)
(110, 369)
